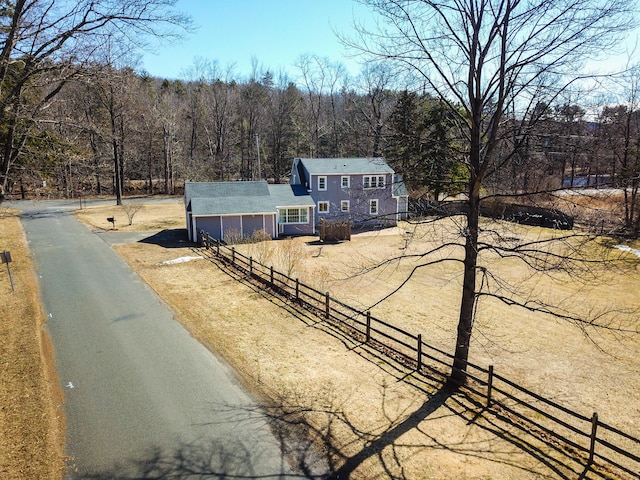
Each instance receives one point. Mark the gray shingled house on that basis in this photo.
(364, 191)
(218, 207)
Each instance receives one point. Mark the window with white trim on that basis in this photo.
(322, 183)
(373, 181)
(373, 206)
(323, 207)
(344, 206)
(293, 215)
(344, 181)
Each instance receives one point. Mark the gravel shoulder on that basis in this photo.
(31, 422)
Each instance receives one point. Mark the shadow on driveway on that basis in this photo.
(170, 238)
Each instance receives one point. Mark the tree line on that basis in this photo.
(112, 129)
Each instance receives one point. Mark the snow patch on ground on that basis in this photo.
(179, 260)
(628, 249)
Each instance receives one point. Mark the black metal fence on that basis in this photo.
(601, 447)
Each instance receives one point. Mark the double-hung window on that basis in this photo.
(344, 205)
(373, 181)
(373, 206)
(322, 183)
(323, 207)
(344, 181)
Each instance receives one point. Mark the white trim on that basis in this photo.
(322, 177)
(323, 202)
(302, 211)
(342, 179)
(376, 183)
(373, 201)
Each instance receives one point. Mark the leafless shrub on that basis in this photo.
(131, 209)
(260, 248)
(289, 254)
(232, 237)
(319, 278)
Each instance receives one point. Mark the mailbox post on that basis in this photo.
(5, 256)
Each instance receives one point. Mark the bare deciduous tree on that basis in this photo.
(620, 136)
(45, 43)
(490, 59)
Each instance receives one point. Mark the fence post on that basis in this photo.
(368, 326)
(419, 366)
(297, 289)
(594, 436)
(271, 274)
(217, 247)
(250, 265)
(489, 385)
(326, 305)
(233, 255)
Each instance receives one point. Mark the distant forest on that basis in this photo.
(109, 131)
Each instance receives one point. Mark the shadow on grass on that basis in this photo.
(315, 441)
(170, 238)
(506, 441)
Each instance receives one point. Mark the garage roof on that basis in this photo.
(253, 198)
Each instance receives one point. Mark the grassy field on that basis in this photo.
(31, 422)
(365, 414)
(354, 399)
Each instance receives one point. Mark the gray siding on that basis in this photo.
(231, 222)
(217, 226)
(211, 225)
(358, 198)
(251, 224)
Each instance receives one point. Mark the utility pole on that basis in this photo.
(258, 150)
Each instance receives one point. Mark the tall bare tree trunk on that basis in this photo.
(166, 141)
(117, 181)
(468, 303)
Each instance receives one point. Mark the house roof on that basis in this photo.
(399, 187)
(225, 189)
(290, 196)
(232, 206)
(232, 198)
(345, 166)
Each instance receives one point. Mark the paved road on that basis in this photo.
(143, 399)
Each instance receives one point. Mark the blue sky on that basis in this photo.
(275, 32)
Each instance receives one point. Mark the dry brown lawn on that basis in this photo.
(358, 402)
(31, 422)
(363, 411)
(145, 217)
